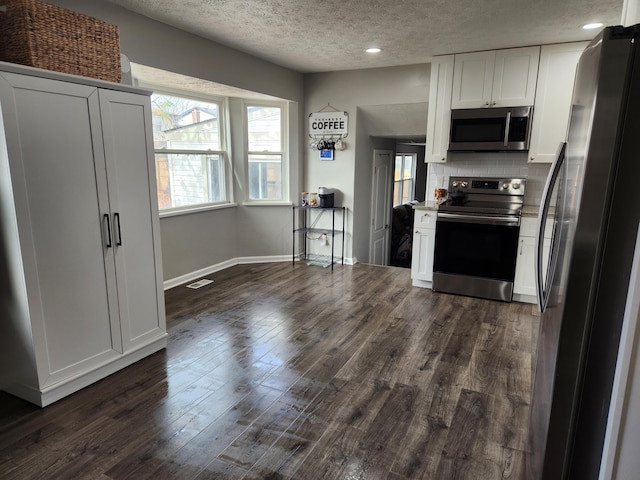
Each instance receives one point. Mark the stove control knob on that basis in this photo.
(464, 184)
(505, 186)
(516, 186)
(454, 184)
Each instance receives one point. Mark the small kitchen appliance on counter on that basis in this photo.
(476, 243)
(326, 197)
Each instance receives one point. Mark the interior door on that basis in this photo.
(381, 207)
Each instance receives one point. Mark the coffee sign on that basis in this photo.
(328, 123)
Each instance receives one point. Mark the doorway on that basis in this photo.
(399, 181)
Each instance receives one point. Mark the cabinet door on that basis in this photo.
(130, 164)
(524, 282)
(473, 80)
(439, 114)
(525, 279)
(59, 188)
(422, 254)
(514, 77)
(553, 99)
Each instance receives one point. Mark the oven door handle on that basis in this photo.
(483, 219)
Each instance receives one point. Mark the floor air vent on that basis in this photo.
(199, 283)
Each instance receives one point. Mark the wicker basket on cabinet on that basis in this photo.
(38, 34)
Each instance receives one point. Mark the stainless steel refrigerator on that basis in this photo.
(591, 211)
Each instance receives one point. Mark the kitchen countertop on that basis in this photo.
(530, 211)
(527, 210)
(433, 205)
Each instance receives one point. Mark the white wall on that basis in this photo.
(204, 240)
(351, 171)
(630, 12)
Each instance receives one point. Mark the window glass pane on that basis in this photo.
(397, 193)
(408, 166)
(398, 168)
(264, 125)
(187, 179)
(407, 191)
(265, 177)
(185, 124)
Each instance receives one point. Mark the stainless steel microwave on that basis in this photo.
(490, 129)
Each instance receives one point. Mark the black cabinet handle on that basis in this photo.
(106, 217)
(117, 218)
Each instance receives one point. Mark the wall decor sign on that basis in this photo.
(327, 129)
(328, 124)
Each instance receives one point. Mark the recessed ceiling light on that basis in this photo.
(592, 26)
(373, 50)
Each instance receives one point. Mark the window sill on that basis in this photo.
(266, 204)
(187, 211)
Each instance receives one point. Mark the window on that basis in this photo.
(265, 152)
(403, 178)
(189, 149)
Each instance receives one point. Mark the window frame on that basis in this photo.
(284, 153)
(401, 181)
(225, 152)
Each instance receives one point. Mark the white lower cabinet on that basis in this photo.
(422, 249)
(524, 285)
(82, 288)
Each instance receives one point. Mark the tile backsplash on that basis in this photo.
(490, 164)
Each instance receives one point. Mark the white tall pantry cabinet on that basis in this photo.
(82, 288)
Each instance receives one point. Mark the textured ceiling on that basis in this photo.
(328, 35)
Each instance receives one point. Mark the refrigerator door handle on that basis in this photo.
(542, 295)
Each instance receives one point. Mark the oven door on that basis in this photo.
(476, 255)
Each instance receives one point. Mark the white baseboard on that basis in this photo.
(197, 274)
(203, 272)
(269, 259)
(47, 395)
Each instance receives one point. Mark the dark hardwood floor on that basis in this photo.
(277, 371)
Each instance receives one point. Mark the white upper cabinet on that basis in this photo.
(473, 79)
(553, 99)
(500, 78)
(439, 113)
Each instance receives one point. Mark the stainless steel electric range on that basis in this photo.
(476, 243)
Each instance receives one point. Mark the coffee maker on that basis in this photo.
(326, 197)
